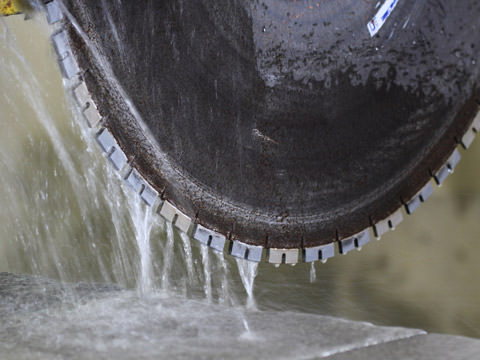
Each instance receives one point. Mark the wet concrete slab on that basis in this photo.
(423, 347)
(42, 318)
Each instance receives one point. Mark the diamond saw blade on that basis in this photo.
(278, 125)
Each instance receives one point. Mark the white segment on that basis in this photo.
(421, 196)
(67, 62)
(346, 245)
(140, 185)
(454, 159)
(118, 158)
(322, 252)
(395, 219)
(468, 138)
(413, 205)
(381, 228)
(69, 66)
(362, 238)
(135, 180)
(82, 95)
(354, 242)
(149, 194)
(110, 146)
(84, 100)
(208, 237)
(106, 140)
(275, 256)
(448, 168)
(441, 175)
(54, 14)
(426, 192)
(245, 251)
(175, 216)
(60, 43)
(92, 115)
(476, 123)
(389, 223)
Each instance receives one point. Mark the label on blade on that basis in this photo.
(381, 16)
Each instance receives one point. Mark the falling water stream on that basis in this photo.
(92, 271)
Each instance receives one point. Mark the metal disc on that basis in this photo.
(283, 124)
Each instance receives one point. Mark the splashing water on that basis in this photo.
(142, 220)
(207, 272)
(225, 294)
(187, 248)
(167, 256)
(77, 203)
(248, 273)
(248, 335)
(313, 273)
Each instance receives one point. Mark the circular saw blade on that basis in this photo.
(283, 124)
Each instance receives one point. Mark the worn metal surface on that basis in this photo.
(282, 124)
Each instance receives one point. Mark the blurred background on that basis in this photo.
(66, 215)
